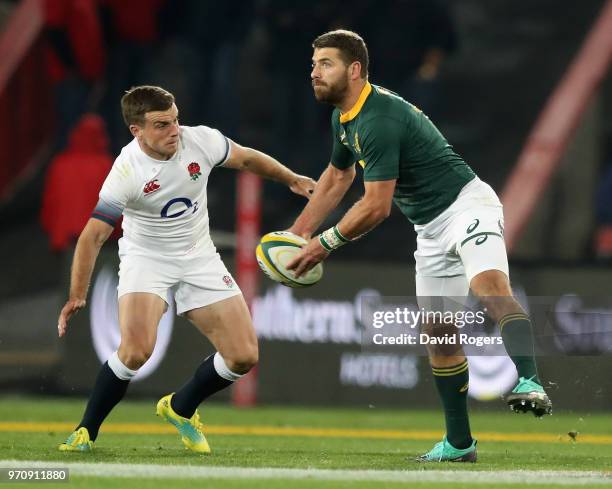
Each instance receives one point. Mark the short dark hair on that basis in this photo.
(351, 45)
(137, 101)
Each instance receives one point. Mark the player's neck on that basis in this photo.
(352, 96)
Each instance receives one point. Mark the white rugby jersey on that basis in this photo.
(164, 202)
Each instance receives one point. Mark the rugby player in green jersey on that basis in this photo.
(457, 217)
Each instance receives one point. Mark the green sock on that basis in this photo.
(518, 340)
(452, 384)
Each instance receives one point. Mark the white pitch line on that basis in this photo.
(551, 477)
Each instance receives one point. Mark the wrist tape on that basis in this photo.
(332, 239)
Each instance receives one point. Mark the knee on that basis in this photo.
(494, 291)
(134, 357)
(243, 361)
(491, 283)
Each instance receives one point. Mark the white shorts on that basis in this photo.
(463, 241)
(197, 278)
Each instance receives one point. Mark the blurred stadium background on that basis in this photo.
(521, 89)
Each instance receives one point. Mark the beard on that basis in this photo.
(332, 93)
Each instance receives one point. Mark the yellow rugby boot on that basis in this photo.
(189, 429)
(78, 441)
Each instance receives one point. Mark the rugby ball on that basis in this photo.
(276, 250)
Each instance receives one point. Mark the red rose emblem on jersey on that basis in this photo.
(194, 170)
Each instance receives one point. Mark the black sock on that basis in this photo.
(107, 392)
(452, 384)
(518, 340)
(204, 383)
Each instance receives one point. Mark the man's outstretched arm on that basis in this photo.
(93, 236)
(249, 159)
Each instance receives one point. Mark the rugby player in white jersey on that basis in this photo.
(158, 183)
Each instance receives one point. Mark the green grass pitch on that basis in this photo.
(365, 448)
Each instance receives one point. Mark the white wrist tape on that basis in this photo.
(332, 239)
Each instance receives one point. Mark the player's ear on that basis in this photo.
(135, 129)
(355, 70)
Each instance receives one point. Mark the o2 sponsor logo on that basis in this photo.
(178, 206)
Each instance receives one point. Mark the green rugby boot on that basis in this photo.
(191, 430)
(529, 396)
(78, 441)
(443, 451)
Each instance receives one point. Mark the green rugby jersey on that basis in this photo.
(392, 139)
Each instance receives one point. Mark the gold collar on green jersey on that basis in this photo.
(351, 114)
